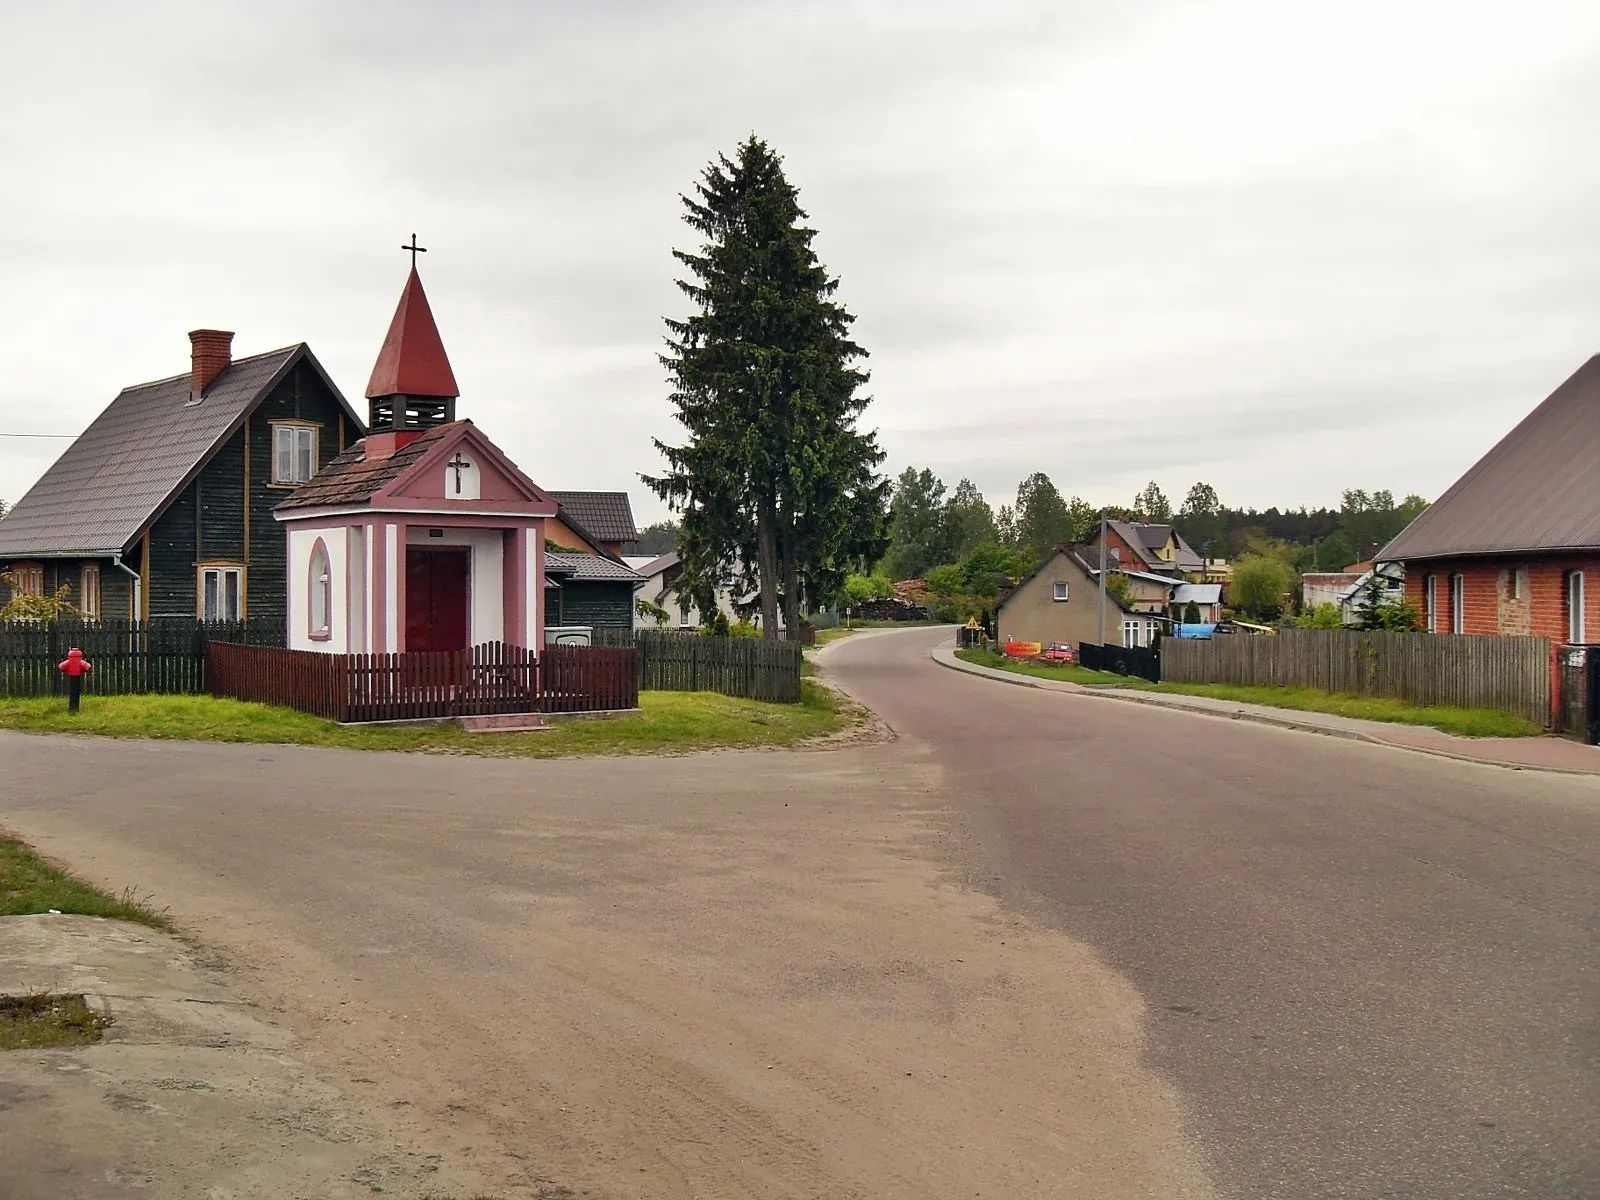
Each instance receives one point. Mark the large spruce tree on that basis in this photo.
(774, 479)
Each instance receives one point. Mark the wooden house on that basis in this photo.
(162, 508)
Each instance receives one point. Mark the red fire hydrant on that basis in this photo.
(75, 667)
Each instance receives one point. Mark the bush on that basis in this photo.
(743, 629)
(1191, 613)
(1323, 616)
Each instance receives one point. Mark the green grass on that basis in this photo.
(1068, 673)
(29, 1022)
(671, 722)
(824, 636)
(1463, 722)
(28, 884)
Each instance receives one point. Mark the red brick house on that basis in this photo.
(1513, 547)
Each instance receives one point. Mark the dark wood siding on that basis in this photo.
(116, 589)
(301, 396)
(601, 604)
(207, 521)
(172, 558)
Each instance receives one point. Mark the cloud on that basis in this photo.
(1283, 250)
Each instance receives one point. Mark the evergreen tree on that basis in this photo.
(918, 535)
(1043, 519)
(1152, 504)
(774, 477)
(968, 520)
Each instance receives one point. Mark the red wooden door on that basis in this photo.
(436, 597)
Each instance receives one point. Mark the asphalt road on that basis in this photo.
(1370, 973)
(1039, 945)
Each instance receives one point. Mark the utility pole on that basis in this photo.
(1102, 577)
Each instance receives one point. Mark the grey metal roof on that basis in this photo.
(1146, 540)
(604, 515)
(1537, 489)
(1200, 593)
(589, 567)
(135, 456)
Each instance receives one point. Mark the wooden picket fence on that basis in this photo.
(491, 678)
(754, 669)
(1508, 674)
(128, 657)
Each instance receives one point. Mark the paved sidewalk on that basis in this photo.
(1532, 754)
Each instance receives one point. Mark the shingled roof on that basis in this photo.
(121, 472)
(604, 515)
(352, 478)
(1535, 490)
(589, 567)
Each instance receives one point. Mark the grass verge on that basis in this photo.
(1067, 673)
(29, 1022)
(671, 722)
(1463, 722)
(28, 884)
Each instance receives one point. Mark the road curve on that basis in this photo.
(1369, 973)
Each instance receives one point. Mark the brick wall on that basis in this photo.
(1538, 607)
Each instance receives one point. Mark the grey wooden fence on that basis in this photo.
(1510, 674)
(751, 668)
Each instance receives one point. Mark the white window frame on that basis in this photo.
(1458, 603)
(1430, 602)
(319, 583)
(222, 572)
(1130, 634)
(1575, 604)
(295, 444)
(1059, 592)
(685, 608)
(89, 591)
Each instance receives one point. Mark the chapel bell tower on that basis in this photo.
(412, 388)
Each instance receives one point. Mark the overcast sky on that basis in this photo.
(1283, 247)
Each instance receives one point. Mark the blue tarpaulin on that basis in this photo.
(1197, 631)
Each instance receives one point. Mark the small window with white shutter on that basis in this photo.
(294, 453)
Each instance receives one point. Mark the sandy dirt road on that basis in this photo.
(732, 976)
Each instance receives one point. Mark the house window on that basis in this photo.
(221, 592)
(1060, 592)
(1130, 634)
(321, 592)
(1514, 584)
(294, 453)
(89, 592)
(1458, 604)
(27, 579)
(685, 607)
(1575, 623)
(1430, 597)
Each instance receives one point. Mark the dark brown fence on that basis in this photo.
(490, 678)
(1510, 674)
(128, 657)
(755, 669)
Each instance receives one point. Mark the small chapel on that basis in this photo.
(422, 535)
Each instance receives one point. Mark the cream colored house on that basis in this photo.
(1060, 602)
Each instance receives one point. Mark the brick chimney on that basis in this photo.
(211, 350)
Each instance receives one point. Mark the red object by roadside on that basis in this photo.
(1059, 652)
(76, 664)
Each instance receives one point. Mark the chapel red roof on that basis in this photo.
(412, 361)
